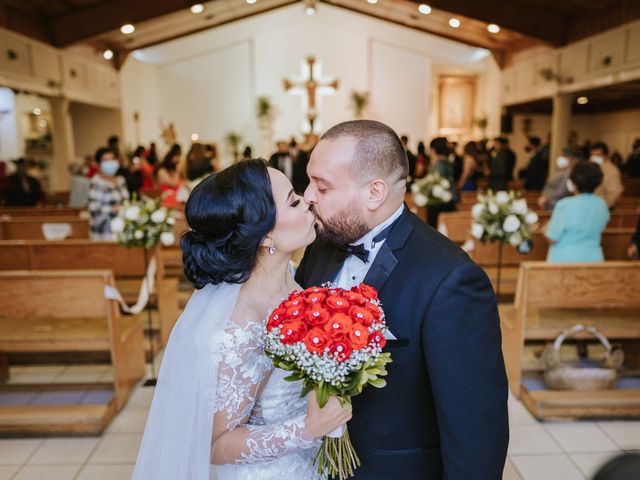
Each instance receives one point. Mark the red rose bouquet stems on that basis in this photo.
(331, 339)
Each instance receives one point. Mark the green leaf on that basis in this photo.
(322, 395)
(378, 383)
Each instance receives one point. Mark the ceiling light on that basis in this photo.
(372, 1)
(195, 137)
(310, 7)
(424, 9)
(493, 28)
(107, 54)
(454, 22)
(251, 2)
(197, 8)
(37, 111)
(310, 11)
(127, 29)
(582, 100)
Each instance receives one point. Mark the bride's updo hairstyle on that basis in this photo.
(230, 213)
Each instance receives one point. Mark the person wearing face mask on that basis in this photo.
(577, 222)
(107, 192)
(611, 187)
(555, 188)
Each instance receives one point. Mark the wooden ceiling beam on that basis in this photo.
(536, 22)
(79, 25)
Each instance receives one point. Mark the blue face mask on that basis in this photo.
(109, 167)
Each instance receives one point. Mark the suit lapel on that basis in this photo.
(334, 259)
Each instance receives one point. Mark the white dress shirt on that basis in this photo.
(353, 269)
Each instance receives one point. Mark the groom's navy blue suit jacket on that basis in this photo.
(443, 413)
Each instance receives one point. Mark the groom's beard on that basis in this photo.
(343, 228)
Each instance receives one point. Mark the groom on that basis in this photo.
(443, 413)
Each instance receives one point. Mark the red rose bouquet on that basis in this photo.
(332, 340)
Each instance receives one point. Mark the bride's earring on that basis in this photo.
(272, 248)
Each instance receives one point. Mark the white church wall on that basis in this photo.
(208, 83)
(8, 125)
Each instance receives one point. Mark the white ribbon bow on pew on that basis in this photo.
(112, 293)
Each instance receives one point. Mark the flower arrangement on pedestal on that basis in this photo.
(431, 190)
(144, 223)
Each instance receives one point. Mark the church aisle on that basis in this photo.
(537, 451)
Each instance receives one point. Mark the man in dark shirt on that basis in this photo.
(22, 189)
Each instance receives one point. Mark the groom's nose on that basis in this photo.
(310, 195)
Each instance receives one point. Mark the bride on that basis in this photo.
(220, 409)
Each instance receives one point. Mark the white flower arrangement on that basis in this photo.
(431, 190)
(144, 223)
(503, 217)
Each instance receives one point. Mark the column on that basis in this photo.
(560, 126)
(63, 146)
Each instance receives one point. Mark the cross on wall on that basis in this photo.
(311, 86)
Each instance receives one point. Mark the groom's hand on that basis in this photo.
(320, 421)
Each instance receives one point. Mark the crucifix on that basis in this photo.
(310, 86)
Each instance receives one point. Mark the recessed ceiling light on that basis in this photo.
(372, 1)
(37, 111)
(454, 22)
(127, 29)
(424, 9)
(195, 137)
(493, 28)
(310, 11)
(107, 54)
(251, 2)
(582, 100)
(197, 8)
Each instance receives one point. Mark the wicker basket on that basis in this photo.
(561, 376)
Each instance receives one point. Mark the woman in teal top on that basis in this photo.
(577, 222)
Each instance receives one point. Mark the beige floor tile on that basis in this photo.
(49, 472)
(580, 437)
(519, 415)
(129, 420)
(17, 452)
(106, 472)
(7, 472)
(60, 451)
(546, 467)
(626, 434)
(510, 472)
(589, 463)
(531, 440)
(141, 397)
(117, 448)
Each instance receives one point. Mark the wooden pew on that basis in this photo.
(30, 228)
(126, 264)
(631, 187)
(14, 212)
(553, 297)
(62, 311)
(615, 242)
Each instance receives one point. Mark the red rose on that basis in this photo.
(367, 291)
(375, 309)
(338, 324)
(341, 350)
(276, 318)
(338, 303)
(294, 302)
(378, 338)
(359, 336)
(295, 294)
(361, 315)
(354, 297)
(292, 331)
(295, 312)
(316, 340)
(317, 316)
(314, 290)
(315, 298)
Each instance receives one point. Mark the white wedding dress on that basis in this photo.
(214, 372)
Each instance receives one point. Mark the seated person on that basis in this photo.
(22, 189)
(635, 243)
(577, 222)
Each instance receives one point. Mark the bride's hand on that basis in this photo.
(320, 421)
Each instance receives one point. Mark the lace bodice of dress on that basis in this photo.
(259, 416)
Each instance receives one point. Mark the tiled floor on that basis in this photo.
(537, 451)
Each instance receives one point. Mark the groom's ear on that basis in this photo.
(378, 193)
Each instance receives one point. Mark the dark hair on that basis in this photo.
(601, 146)
(421, 148)
(138, 152)
(535, 141)
(167, 162)
(378, 149)
(113, 139)
(229, 213)
(471, 149)
(586, 176)
(101, 152)
(440, 145)
(622, 467)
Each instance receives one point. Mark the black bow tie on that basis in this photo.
(360, 250)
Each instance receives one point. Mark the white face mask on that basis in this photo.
(599, 159)
(562, 162)
(571, 187)
(109, 167)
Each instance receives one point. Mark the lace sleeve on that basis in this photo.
(242, 373)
